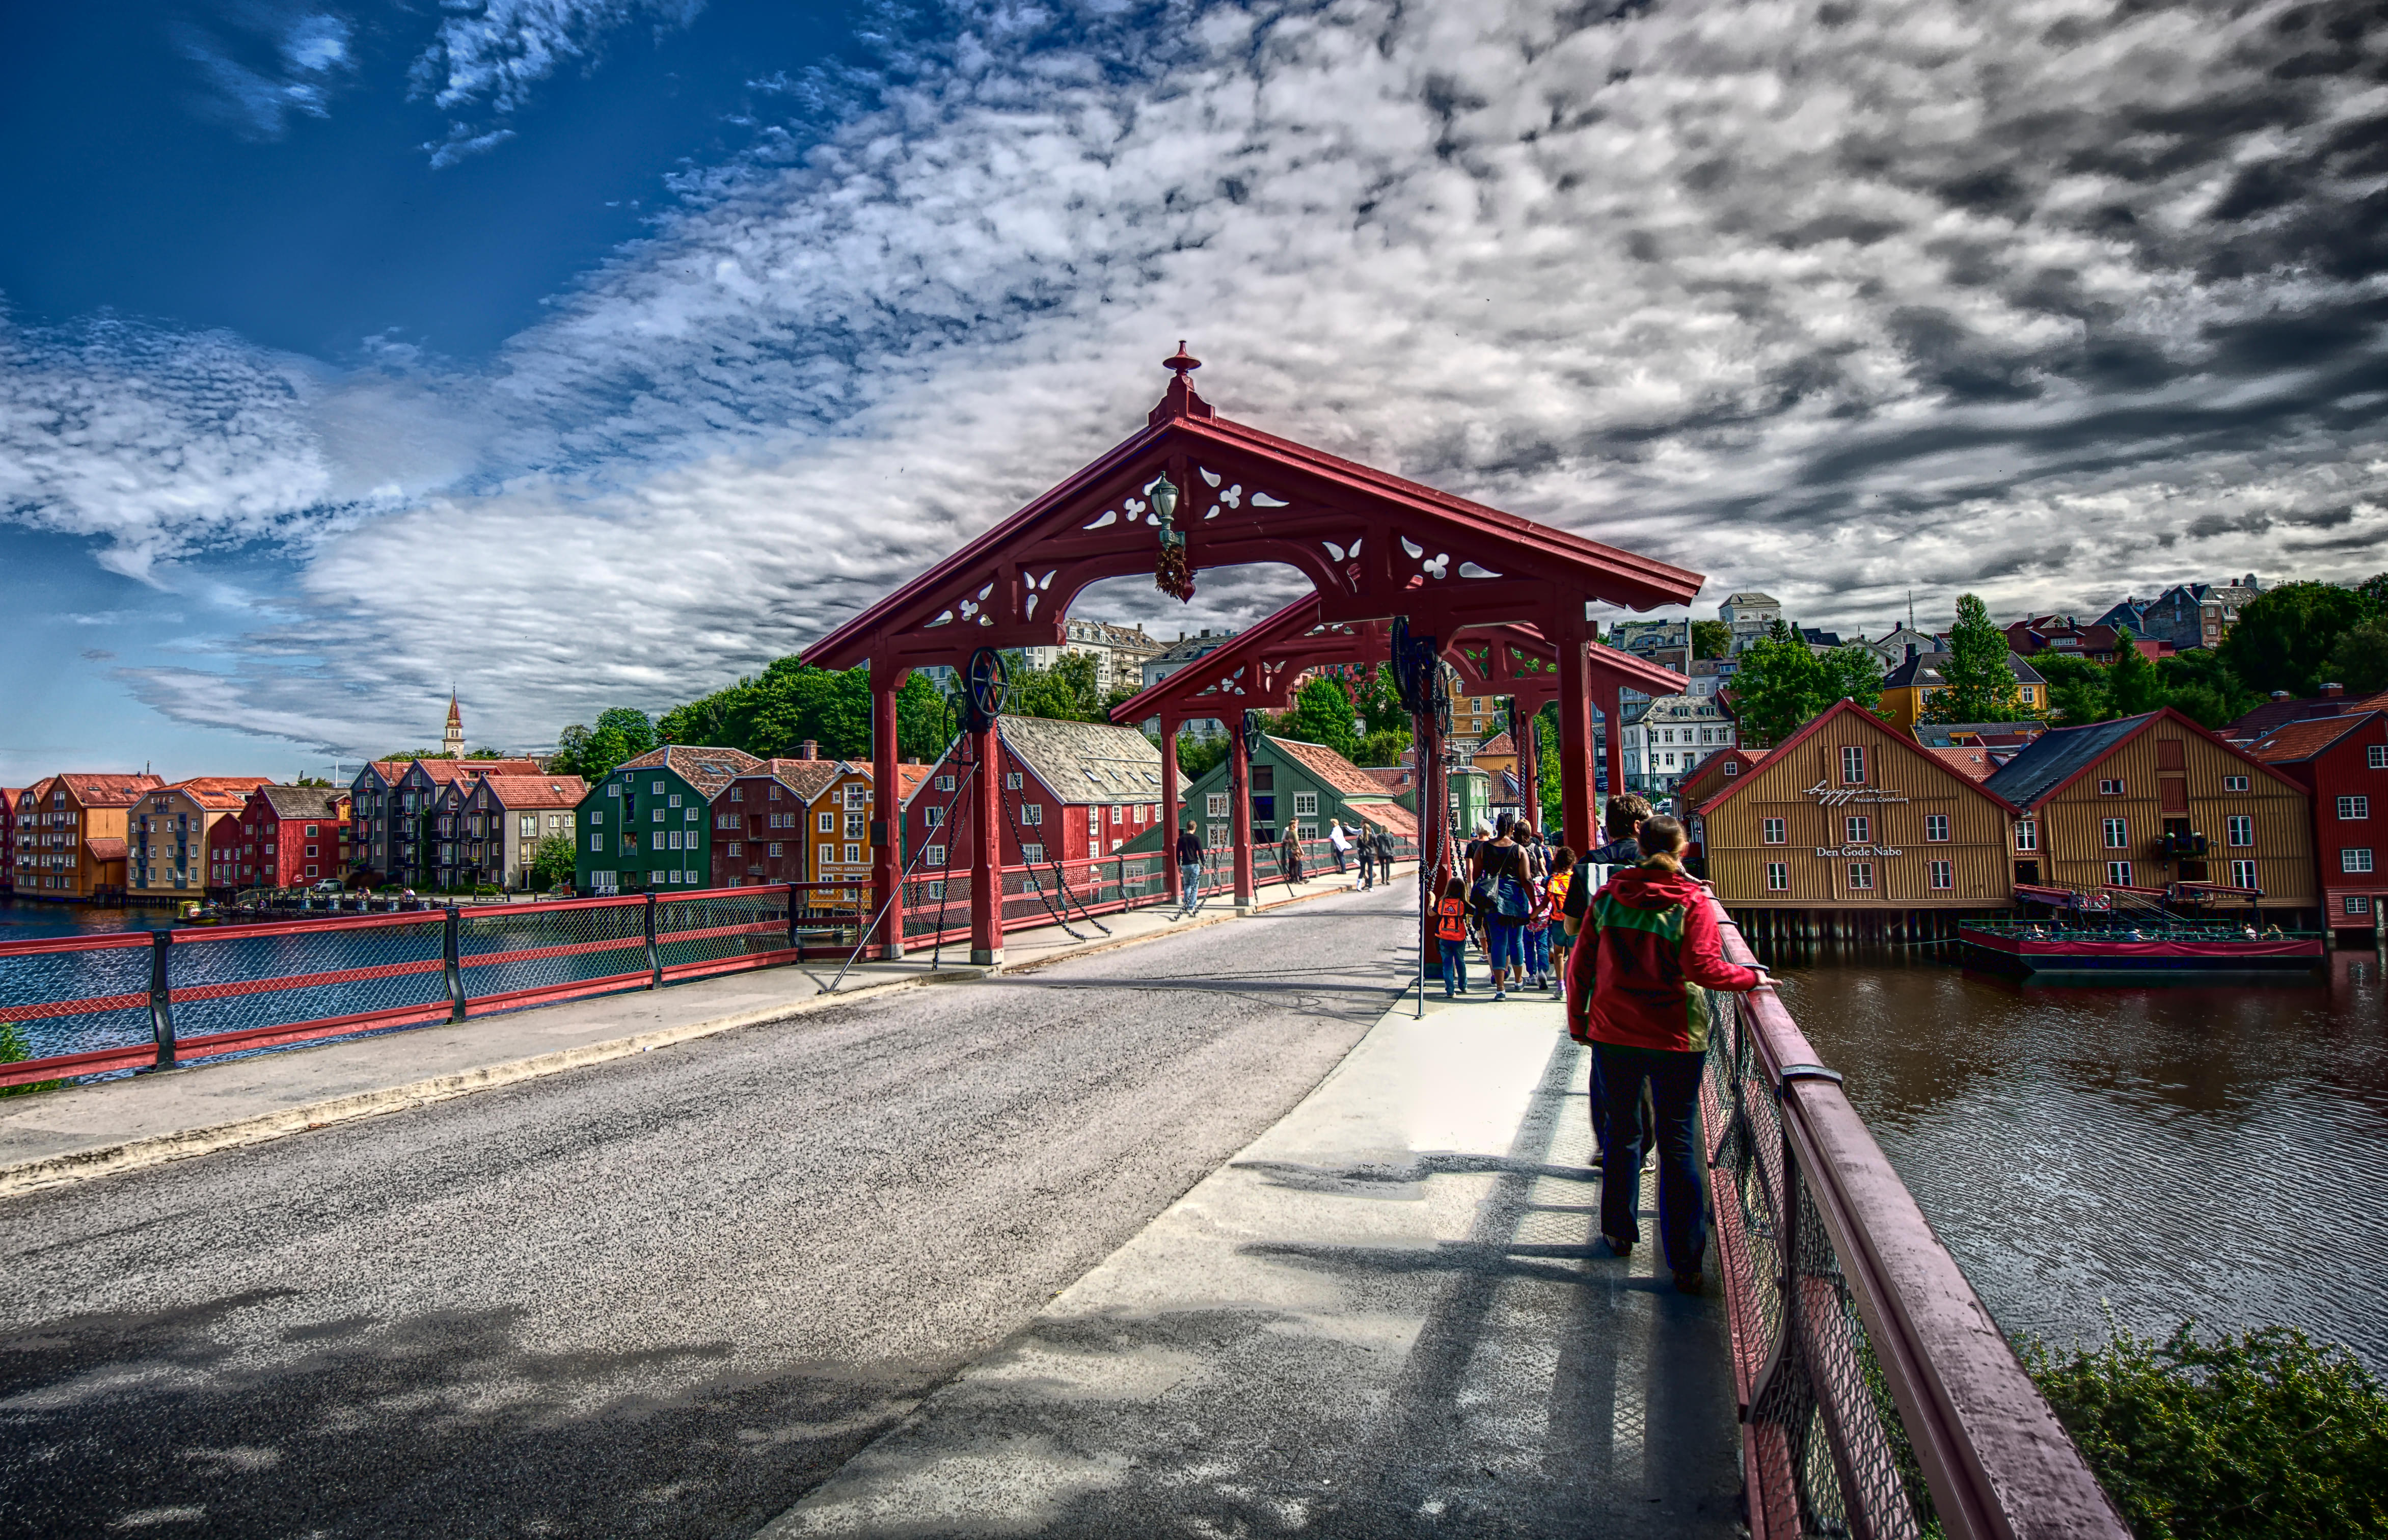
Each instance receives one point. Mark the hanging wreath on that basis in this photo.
(1172, 573)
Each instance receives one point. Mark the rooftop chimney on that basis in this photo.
(808, 749)
(2280, 694)
(2333, 689)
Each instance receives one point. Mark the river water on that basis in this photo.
(2207, 1150)
(20, 921)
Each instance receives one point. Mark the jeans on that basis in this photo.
(1675, 1081)
(1339, 860)
(1455, 965)
(1189, 886)
(1538, 952)
(1503, 947)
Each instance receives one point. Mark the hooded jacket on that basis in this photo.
(1650, 935)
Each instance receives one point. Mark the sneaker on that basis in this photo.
(1692, 1283)
(1617, 1247)
(1498, 997)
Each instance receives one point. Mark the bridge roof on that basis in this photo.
(1373, 545)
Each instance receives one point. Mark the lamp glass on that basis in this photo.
(1164, 496)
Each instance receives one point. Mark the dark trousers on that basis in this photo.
(1674, 1082)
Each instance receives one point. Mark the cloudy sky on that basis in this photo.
(584, 352)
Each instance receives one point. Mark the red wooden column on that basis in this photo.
(986, 849)
(887, 809)
(1522, 729)
(1239, 800)
(1603, 695)
(1169, 815)
(1578, 817)
(1434, 817)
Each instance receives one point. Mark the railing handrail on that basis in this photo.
(1998, 1463)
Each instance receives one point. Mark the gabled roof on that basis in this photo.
(1084, 761)
(2295, 741)
(2056, 757)
(910, 778)
(1844, 706)
(707, 769)
(523, 793)
(1924, 670)
(104, 847)
(1499, 743)
(1974, 764)
(441, 772)
(1331, 769)
(106, 790)
(303, 802)
(1391, 816)
(806, 778)
(1752, 596)
(220, 792)
(2264, 718)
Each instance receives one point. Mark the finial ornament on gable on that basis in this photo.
(1180, 400)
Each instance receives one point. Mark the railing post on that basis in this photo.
(162, 996)
(654, 954)
(796, 933)
(451, 954)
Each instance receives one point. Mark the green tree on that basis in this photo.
(2360, 659)
(591, 752)
(2133, 686)
(1065, 691)
(1198, 757)
(1779, 685)
(1980, 688)
(1323, 714)
(551, 860)
(2077, 687)
(1711, 638)
(2201, 685)
(1380, 705)
(1849, 673)
(2285, 636)
(1383, 749)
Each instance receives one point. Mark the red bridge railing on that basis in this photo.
(1878, 1396)
(108, 1004)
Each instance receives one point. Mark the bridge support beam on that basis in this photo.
(887, 810)
(986, 849)
(1239, 796)
(1577, 814)
(1171, 821)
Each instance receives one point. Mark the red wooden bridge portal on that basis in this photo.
(1492, 589)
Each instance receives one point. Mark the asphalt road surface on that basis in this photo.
(666, 1295)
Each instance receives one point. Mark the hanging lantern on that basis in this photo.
(1171, 574)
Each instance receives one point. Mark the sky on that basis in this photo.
(574, 353)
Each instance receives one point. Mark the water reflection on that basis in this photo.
(22, 920)
(2201, 1149)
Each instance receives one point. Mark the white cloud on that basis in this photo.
(309, 54)
(491, 57)
(1830, 299)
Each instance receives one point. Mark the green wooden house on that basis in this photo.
(647, 826)
(1308, 785)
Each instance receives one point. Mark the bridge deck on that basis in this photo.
(1389, 1314)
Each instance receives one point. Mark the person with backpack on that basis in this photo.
(1648, 952)
(1537, 931)
(1451, 936)
(1561, 880)
(1503, 899)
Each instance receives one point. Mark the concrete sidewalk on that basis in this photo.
(1389, 1315)
(89, 1130)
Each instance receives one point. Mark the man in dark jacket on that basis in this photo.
(1189, 869)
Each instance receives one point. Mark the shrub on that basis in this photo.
(14, 1049)
(2265, 1436)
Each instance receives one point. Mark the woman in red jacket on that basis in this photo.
(1637, 987)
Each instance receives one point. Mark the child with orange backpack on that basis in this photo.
(1450, 930)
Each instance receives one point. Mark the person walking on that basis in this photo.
(1650, 952)
(1364, 846)
(1538, 930)
(1562, 878)
(1189, 869)
(1289, 854)
(1339, 843)
(1620, 819)
(1451, 936)
(1505, 899)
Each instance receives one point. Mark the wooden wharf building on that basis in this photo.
(1850, 827)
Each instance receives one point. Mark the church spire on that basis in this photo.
(453, 744)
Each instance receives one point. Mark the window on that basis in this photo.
(1033, 854)
(945, 782)
(857, 825)
(310, 831)
(734, 850)
(2238, 828)
(2117, 834)
(1944, 876)
(1032, 812)
(655, 815)
(1770, 831)
(777, 850)
(658, 841)
(657, 789)
(828, 823)
(932, 818)
(611, 789)
(1094, 820)
(1778, 876)
(2027, 836)
(1732, 767)
(1858, 829)
(934, 855)
(937, 891)
(2109, 788)
(529, 825)
(1852, 765)
(2234, 782)
(1215, 805)
(1860, 876)
(2376, 756)
(2359, 903)
(2353, 807)
(737, 794)
(597, 815)
(2355, 859)
(310, 871)
(1935, 827)
(858, 795)
(2119, 874)
(1011, 781)
(724, 821)
(689, 817)
(853, 854)
(311, 849)
(2242, 874)
(828, 855)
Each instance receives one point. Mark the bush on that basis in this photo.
(2266, 1436)
(14, 1049)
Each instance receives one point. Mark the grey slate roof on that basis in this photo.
(304, 802)
(1923, 668)
(1085, 761)
(2057, 755)
(707, 769)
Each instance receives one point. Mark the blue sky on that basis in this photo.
(584, 352)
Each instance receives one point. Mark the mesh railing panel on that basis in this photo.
(1830, 1456)
(725, 925)
(83, 999)
(233, 980)
(505, 952)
